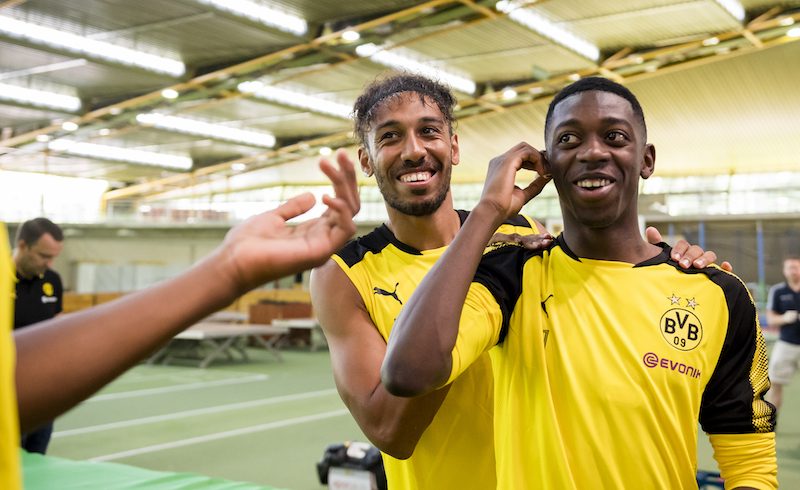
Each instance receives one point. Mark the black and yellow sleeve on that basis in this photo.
(740, 423)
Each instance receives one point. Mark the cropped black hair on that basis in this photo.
(602, 85)
(32, 230)
(381, 89)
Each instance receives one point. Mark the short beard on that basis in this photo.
(424, 208)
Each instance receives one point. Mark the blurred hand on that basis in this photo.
(687, 255)
(789, 317)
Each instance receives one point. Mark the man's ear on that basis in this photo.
(363, 159)
(545, 163)
(455, 152)
(649, 161)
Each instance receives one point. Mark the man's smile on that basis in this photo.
(417, 177)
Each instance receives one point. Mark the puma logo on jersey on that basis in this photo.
(384, 292)
(544, 305)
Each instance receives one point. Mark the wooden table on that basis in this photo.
(307, 326)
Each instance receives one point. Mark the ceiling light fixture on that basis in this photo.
(734, 8)
(270, 17)
(295, 99)
(325, 151)
(83, 46)
(786, 21)
(793, 32)
(39, 98)
(712, 41)
(169, 93)
(509, 93)
(120, 154)
(386, 57)
(351, 36)
(548, 29)
(205, 129)
(69, 126)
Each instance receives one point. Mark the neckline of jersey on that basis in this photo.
(387, 234)
(660, 258)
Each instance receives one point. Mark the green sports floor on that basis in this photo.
(264, 421)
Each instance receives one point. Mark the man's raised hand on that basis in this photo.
(500, 190)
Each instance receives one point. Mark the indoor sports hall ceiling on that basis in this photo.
(163, 97)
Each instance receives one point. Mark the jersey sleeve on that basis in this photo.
(519, 224)
(733, 410)
(500, 272)
(488, 306)
(772, 304)
(478, 329)
(747, 460)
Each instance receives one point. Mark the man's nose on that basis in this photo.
(593, 150)
(413, 150)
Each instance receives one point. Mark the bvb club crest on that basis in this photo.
(47, 289)
(680, 326)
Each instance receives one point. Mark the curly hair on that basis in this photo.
(377, 92)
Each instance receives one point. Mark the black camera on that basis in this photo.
(353, 456)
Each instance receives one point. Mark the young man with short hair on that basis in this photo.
(606, 352)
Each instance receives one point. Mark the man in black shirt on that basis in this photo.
(38, 293)
(783, 304)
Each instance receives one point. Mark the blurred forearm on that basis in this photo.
(64, 360)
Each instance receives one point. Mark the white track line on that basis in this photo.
(191, 413)
(171, 389)
(222, 435)
(146, 374)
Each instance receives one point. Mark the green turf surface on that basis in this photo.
(264, 421)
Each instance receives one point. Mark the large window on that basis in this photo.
(63, 199)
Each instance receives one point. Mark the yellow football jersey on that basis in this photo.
(9, 421)
(602, 370)
(457, 448)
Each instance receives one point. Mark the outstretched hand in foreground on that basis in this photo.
(266, 247)
(64, 360)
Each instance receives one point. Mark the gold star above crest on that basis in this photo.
(674, 300)
(691, 303)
